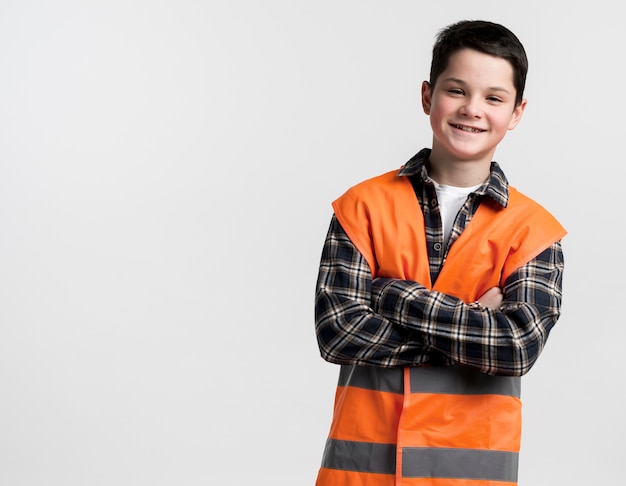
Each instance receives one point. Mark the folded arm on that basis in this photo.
(348, 330)
(503, 341)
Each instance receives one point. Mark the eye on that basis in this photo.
(455, 91)
(494, 99)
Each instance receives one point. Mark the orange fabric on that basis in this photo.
(441, 420)
(336, 477)
(366, 415)
(391, 212)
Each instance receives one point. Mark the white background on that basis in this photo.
(166, 174)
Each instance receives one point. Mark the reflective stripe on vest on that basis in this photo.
(441, 418)
(431, 426)
(420, 462)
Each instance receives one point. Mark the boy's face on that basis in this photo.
(471, 107)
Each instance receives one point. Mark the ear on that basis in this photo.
(426, 96)
(517, 114)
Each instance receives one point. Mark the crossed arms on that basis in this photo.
(391, 322)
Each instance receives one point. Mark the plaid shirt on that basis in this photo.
(391, 322)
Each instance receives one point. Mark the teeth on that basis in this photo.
(468, 129)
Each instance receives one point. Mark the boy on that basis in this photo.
(438, 286)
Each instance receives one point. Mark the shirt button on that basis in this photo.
(437, 246)
(433, 202)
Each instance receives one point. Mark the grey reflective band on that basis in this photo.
(372, 378)
(360, 456)
(462, 380)
(423, 462)
(453, 380)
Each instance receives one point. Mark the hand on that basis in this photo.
(492, 298)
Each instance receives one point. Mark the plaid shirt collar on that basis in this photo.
(496, 186)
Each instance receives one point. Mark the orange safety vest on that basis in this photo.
(431, 426)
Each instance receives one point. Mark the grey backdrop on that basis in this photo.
(166, 174)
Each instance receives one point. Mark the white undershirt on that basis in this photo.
(451, 200)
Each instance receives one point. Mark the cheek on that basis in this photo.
(444, 106)
(503, 122)
(444, 109)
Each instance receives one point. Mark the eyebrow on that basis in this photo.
(460, 81)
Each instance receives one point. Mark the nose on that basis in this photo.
(471, 108)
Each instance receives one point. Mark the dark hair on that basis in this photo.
(483, 36)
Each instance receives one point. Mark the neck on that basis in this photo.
(459, 173)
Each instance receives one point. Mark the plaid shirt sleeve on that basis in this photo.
(347, 328)
(506, 341)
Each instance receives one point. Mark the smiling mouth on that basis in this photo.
(468, 129)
